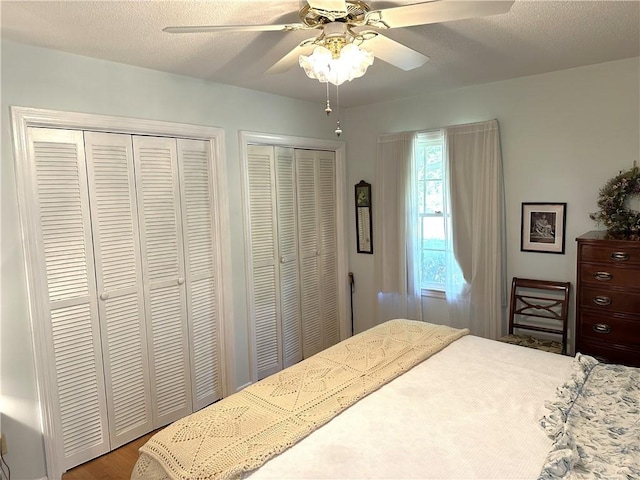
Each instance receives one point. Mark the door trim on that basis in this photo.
(277, 140)
(23, 118)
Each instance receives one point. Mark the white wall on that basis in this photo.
(34, 77)
(563, 134)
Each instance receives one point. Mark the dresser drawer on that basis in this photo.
(606, 328)
(609, 275)
(613, 255)
(610, 353)
(605, 300)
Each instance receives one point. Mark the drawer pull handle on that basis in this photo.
(603, 276)
(619, 256)
(603, 301)
(601, 328)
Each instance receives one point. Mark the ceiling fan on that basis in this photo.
(341, 22)
(349, 36)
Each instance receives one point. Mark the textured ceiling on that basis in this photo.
(534, 37)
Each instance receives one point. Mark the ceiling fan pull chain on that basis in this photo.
(338, 129)
(328, 109)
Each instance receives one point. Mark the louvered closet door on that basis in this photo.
(264, 291)
(65, 241)
(309, 250)
(194, 160)
(119, 281)
(160, 222)
(328, 248)
(288, 249)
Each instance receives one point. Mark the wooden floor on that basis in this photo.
(116, 465)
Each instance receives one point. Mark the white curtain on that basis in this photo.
(476, 227)
(396, 249)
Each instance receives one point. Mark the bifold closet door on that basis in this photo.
(328, 247)
(288, 250)
(264, 289)
(66, 262)
(125, 259)
(316, 191)
(291, 195)
(116, 245)
(309, 246)
(160, 219)
(201, 267)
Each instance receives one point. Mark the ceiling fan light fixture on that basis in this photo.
(316, 65)
(350, 62)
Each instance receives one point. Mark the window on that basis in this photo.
(431, 206)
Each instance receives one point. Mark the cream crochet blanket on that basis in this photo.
(241, 432)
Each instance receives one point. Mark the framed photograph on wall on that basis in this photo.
(364, 228)
(542, 227)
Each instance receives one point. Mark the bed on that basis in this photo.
(425, 401)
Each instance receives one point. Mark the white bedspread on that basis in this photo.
(469, 412)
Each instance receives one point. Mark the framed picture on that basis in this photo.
(542, 227)
(364, 228)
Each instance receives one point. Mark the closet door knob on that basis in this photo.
(104, 296)
(282, 260)
(180, 281)
(317, 253)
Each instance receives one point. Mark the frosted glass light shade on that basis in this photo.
(351, 63)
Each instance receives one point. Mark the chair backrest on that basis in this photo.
(542, 299)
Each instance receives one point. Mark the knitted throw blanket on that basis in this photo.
(241, 432)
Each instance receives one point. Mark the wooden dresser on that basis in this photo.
(608, 298)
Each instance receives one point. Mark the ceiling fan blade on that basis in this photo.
(393, 52)
(336, 7)
(291, 59)
(236, 28)
(434, 12)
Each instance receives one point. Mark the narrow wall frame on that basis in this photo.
(364, 226)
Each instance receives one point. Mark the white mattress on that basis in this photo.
(469, 412)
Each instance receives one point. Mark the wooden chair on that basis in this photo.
(539, 306)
